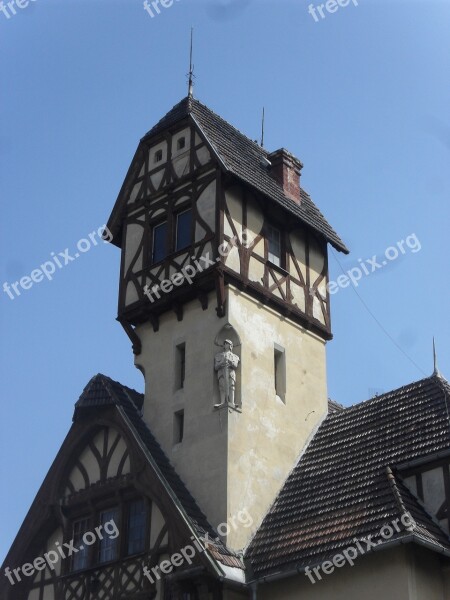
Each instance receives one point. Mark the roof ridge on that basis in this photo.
(379, 398)
(217, 116)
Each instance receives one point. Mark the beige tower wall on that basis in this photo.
(201, 459)
(234, 463)
(267, 438)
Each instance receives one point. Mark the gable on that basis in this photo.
(105, 456)
(161, 167)
(104, 512)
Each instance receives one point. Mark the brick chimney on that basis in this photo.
(286, 170)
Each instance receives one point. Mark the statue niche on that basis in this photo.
(226, 364)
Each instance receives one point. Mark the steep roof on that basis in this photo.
(101, 391)
(343, 488)
(241, 156)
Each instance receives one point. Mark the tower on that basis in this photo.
(223, 293)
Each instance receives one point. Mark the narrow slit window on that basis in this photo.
(159, 246)
(158, 156)
(180, 366)
(183, 234)
(181, 143)
(178, 427)
(279, 357)
(274, 243)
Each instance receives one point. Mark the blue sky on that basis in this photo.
(362, 98)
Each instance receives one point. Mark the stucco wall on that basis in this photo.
(230, 460)
(404, 573)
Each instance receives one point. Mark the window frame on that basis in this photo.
(154, 226)
(282, 256)
(177, 214)
(170, 219)
(93, 519)
(279, 372)
(145, 527)
(105, 538)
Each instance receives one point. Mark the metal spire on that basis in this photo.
(436, 370)
(191, 68)
(262, 128)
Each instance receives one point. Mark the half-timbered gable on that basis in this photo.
(110, 510)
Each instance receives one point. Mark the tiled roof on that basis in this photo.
(242, 157)
(101, 391)
(342, 489)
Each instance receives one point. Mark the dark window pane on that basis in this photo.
(274, 239)
(137, 521)
(80, 559)
(109, 544)
(184, 221)
(159, 250)
(178, 427)
(180, 365)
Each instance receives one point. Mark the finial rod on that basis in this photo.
(191, 67)
(262, 127)
(435, 364)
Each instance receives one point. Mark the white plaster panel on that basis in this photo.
(233, 197)
(116, 457)
(156, 178)
(316, 260)
(256, 270)
(131, 294)
(298, 295)
(433, 489)
(299, 250)
(206, 207)
(233, 260)
(203, 155)
(134, 235)
(134, 192)
(156, 524)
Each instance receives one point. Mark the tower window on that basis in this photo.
(279, 356)
(108, 546)
(274, 243)
(181, 143)
(180, 366)
(137, 517)
(184, 226)
(178, 427)
(159, 247)
(158, 156)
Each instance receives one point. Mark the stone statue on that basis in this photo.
(226, 363)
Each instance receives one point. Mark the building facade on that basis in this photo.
(233, 476)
